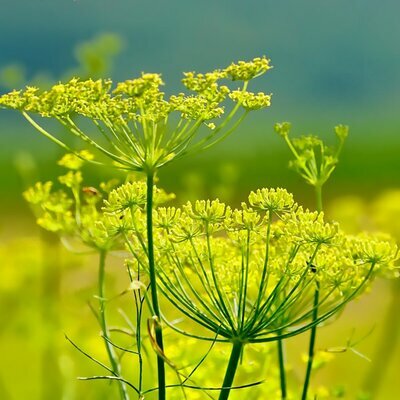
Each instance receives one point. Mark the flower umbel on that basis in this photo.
(248, 278)
(135, 125)
(313, 160)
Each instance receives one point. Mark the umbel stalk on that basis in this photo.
(231, 370)
(282, 372)
(313, 334)
(153, 286)
(311, 347)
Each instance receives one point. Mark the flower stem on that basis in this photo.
(103, 323)
(153, 286)
(231, 370)
(318, 195)
(282, 372)
(311, 348)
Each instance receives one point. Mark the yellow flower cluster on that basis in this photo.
(238, 272)
(75, 161)
(251, 101)
(244, 71)
(132, 195)
(272, 200)
(207, 85)
(144, 87)
(75, 212)
(241, 274)
(135, 116)
(196, 107)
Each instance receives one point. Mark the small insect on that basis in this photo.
(90, 190)
(313, 268)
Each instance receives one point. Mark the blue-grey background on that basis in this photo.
(334, 62)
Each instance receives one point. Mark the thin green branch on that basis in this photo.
(110, 378)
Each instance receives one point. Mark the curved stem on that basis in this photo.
(47, 134)
(104, 329)
(231, 370)
(153, 286)
(282, 372)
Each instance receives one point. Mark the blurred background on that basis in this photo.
(334, 62)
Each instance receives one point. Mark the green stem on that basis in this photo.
(103, 323)
(153, 287)
(318, 195)
(282, 372)
(311, 348)
(231, 369)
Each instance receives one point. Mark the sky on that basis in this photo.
(341, 53)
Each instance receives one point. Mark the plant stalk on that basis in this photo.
(313, 335)
(311, 348)
(103, 323)
(282, 372)
(153, 286)
(231, 370)
(318, 195)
